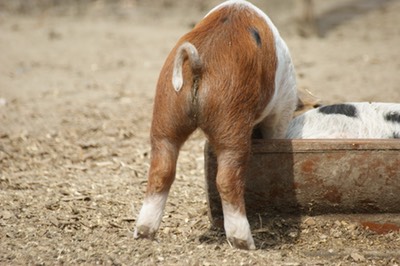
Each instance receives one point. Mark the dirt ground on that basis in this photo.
(76, 92)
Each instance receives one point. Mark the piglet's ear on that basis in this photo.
(306, 101)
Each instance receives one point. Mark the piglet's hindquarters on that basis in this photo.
(232, 72)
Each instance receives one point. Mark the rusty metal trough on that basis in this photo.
(316, 177)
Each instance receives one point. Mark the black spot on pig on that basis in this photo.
(256, 36)
(225, 20)
(339, 109)
(393, 117)
(396, 135)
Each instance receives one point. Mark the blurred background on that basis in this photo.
(323, 14)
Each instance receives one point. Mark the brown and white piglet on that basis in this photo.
(232, 72)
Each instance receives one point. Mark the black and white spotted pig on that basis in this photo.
(348, 120)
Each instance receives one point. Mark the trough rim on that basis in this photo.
(324, 145)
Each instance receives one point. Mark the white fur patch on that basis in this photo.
(369, 122)
(236, 225)
(152, 211)
(177, 77)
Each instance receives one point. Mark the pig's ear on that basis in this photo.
(306, 101)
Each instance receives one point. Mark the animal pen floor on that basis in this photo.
(76, 96)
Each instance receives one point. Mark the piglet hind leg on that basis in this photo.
(161, 176)
(230, 183)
